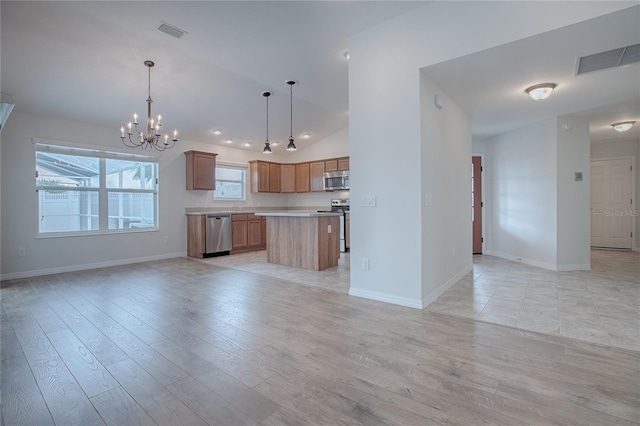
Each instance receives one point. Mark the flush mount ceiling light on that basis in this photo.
(217, 132)
(150, 139)
(291, 146)
(540, 91)
(306, 136)
(228, 141)
(267, 148)
(275, 143)
(247, 144)
(623, 126)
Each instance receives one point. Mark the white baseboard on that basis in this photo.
(74, 268)
(408, 302)
(544, 265)
(384, 297)
(430, 298)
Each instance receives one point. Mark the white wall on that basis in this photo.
(48, 255)
(616, 149)
(446, 223)
(385, 125)
(573, 238)
(524, 194)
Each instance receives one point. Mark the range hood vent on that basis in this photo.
(610, 59)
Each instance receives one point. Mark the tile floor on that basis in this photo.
(599, 306)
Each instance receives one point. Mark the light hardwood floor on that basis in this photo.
(186, 342)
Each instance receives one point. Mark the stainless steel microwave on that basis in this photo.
(336, 181)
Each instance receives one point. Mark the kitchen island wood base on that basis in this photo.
(310, 241)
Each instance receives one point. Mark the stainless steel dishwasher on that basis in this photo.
(217, 234)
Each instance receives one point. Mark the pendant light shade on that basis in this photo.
(291, 146)
(267, 147)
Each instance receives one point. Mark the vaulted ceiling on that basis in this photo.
(84, 61)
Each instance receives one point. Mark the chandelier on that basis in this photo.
(152, 138)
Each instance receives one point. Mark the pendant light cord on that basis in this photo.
(267, 119)
(291, 111)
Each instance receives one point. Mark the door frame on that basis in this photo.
(484, 204)
(634, 205)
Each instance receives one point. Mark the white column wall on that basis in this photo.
(574, 198)
(385, 126)
(446, 223)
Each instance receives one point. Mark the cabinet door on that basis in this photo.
(331, 166)
(201, 170)
(195, 236)
(239, 232)
(343, 163)
(287, 178)
(254, 233)
(302, 177)
(263, 226)
(263, 177)
(316, 171)
(274, 177)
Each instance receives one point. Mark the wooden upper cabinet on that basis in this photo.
(316, 172)
(287, 178)
(331, 165)
(201, 170)
(274, 177)
(265, 176)
(343, 163)
(302, 177)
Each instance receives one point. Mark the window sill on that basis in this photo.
(94, 233)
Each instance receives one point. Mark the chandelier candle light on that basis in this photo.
(152, 137)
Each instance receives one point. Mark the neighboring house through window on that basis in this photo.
(83, 190)
(230, 182)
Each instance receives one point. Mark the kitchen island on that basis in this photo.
(303, 239)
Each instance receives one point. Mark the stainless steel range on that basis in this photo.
(340, 205)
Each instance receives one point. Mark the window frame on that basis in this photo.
(235, 166)
(103, 191)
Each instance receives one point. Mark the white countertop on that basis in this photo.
(297, 213)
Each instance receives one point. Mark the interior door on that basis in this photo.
(476, 203)
(611, 202)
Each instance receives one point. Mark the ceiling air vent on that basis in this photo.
(171, 30)
(609, 59)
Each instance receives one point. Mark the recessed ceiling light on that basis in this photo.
(540, 91)
(306, 136)
(247, 144)
(217, 132)
(623, 126)
(275, 143)
(228, 141)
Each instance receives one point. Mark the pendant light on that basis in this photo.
(267, 148)
(291, 146)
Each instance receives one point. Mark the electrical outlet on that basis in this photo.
(166, 239)
(22, 251)
(328, 229)
(365, 263)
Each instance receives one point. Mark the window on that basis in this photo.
(91, 191)
(230, 182)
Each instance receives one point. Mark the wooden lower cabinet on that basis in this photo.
(195, 236)
(248, 233)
